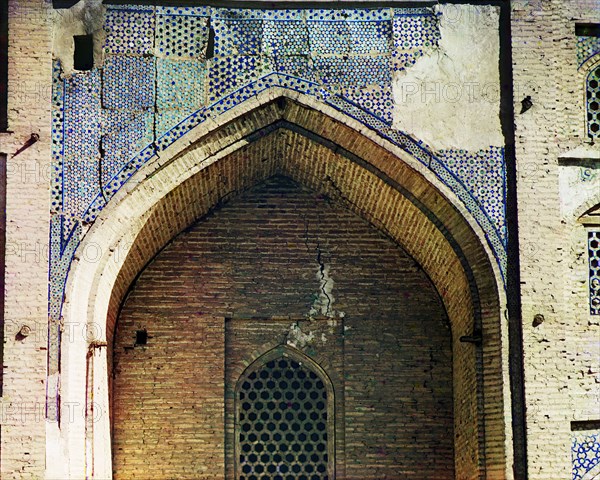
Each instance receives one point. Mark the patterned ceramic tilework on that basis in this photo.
(329, 38)
(284, 37)
(415, 31)
(473, 205)
(129, 31)
(413, 35)
(128, 83)
(82, 109)
(345, 15)
(58, 109)
(168, 120)
(182, 35)
(593, 103)
(173, 124)
(585, 454)
(353, 71)
(80, 184)
(587, 47)
(187, 11)
(594, 277)
(180, 84)
(61, 254)
(482, 173)
(295, 65)
(109, 122)
(228, 74)
(238, 37)
(124, 135)
(77, 170)
(374, 99)
(370, 38)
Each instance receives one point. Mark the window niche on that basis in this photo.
(83, 56)
(284, 419)
(592, 95)
(594, 266)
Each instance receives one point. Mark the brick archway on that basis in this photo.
(329, 153)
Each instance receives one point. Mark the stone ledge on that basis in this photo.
(585, 152)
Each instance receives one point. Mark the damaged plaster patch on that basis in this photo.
(324, 299)
(578, 185)
(297, 338)
(450, 97)
(84, 18)
(323, 302)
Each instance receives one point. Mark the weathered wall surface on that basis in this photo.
(22, 402)
(450, 97)
(281, 250)
(555, 185)
(562, 354)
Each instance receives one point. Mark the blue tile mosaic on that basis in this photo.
(353, 71)
(61, 254)
(238, 37)
(156, 85)
(83, 91)
(80, 184)
(180, 84)
(58, 110)
(179, 35)
(129, 30)
(587, 47)
(375, 99)
(415, 31)
(329, 38)
(168, 120)
(186, 11)
(81, 133)
(585, 454)
(295, 65)
(125, 134)
(482, 173)
(413, 35)
(348, 15)
(370, 38)
(228, 74)
(284, 37)
(128, 83)
(594, 277)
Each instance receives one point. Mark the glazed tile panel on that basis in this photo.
(163, 75)
(587, 47)
(585, 454)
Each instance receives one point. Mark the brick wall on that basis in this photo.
(265, 255)
(561, 354)
(22, 405)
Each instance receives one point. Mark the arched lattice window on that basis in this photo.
(284, 419)
(593, 102)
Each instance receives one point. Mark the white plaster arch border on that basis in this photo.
(72, 455)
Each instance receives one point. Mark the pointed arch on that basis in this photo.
(330, 153)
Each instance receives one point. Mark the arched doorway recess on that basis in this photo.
(325, 151)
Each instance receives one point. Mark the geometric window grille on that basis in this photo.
(594, 256)
(284, 420)
(593, 103)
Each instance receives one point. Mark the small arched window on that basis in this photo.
(284, 419)
(593, 103)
